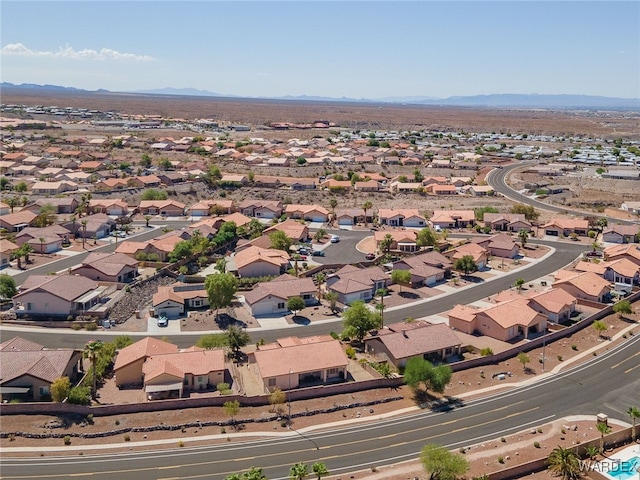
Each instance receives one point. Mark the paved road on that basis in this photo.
(564, 254)
(609, 383)
(497, 180)
(72, 261)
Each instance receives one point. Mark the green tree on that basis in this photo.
(146, 220)
(145, 161)
(479, 212)
(13, 202)
(91, 350)
(417, 176)
(623, 307)
(254, 473)
(523, 358)
(523, 235)
(237, 338)
(381, 292)
(565, 463)
(358, 320)
(602, 223)
(60, 388)
(634, 414)
(465, 264)
(295, 304)
(528, 211)
(21, 187)
(221, 288)
(7, 287)
(298, 471)
(333, 203)
(79, 396)
(419, 371)
(280, 241)
(319, 470)
(519, 284)
(4, 182)
(386, 243)
(401, 277)
(46, 216)
(600, 327)
(603, 429)
(366, 206)
(319, 235)
(182, 249)
(210, 341)
(154, 194)
(277, 399)
(122, 341)
(231, 408)
(441, 464)
(426, 237)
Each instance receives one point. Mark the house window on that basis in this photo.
(272, 382)
(306, 297)
(202, 379)
(29, 306)
(186, 381)
(332, 371)
(281, 305)
(44, 391)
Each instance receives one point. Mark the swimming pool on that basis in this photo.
(623, 469)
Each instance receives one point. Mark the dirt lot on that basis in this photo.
(351, 115)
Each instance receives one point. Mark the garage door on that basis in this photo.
(345, 221)
(171, 311)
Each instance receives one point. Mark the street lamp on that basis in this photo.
(289, 398)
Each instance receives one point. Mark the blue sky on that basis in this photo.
(365, 49)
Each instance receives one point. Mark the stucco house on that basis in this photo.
(261, 208)
(6, 250)
(45, 239)
(130, 359)
(405, 217)
(27, 369)
(310, 213)
(297, 362)
(500, 245)
(629, 251)
(506, 222)
(271, 297)
(174, 300)
(453, 218)
(559, 227)
(401, 240)
(398, 342)
(169, 208)
(57, 295)
(108, 267)
(479, 254)
(259, 262)
(621, 234)
(426, 269)
(352, 216)
(585, 285)
(352, 283)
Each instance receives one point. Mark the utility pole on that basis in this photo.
(289, 399)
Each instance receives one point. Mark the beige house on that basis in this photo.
(259, 262)
(563, 227)
(6, 250)
(586, 285)
(351, 283)
(108, 267)
(272, 297)
(169, 208)
(401, 217)
(298, 362)
(27, 369)
(129, 361)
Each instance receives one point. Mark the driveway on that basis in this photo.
(171, 329)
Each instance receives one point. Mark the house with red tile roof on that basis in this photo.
(130, 359)
(559, 227)
(506, 222)
(293, 229)
(14, 222)
(310, 213)
(261, 208)
(208, 207)
(174, 300)
(191, 370)
(621, 234)
(169, 208)
(299, 362)
(505, 321)
(615, 252)
(401, 217)
(109, 206)
(398, 342)
(479, 254)
(27, 369)
(259, 262)
(6, 250)
(453, 218)
(352, 283)
(269, 298)
(352, 216)
(401, 240)
(586, 285)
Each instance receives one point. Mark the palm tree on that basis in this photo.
(565, 463)
(146, 219)
(332, 298)
(320, 470)
(367, 206)
(84, 231)
(298, 471)
(333, 203)
(604, 429)
(91, 350)
(41, 239)
(634, 413)
(519, 283)
(18, 254)
(523, 235)
(381, 292)
(591, 451)
(320, 278)
(385, 244)
(12, 202)
(26, 250)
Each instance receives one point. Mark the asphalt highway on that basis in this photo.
(497, 179)
(609, 383)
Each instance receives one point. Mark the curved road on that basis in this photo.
(610, 383)
(497, 179)
(565, 253)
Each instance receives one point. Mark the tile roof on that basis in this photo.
(284, 286)
(299, 359)
(587, 282)
(193, 362)
(417, 339)
(144, 348)
(109, 263)
(67, 287)
(46, 365)
(255, 254)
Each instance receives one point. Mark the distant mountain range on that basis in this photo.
(490, 101)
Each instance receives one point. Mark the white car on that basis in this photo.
(335, 239)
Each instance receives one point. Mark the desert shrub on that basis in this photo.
(76, 326)
(127, 438)
(536, 444)
(574, 347)
(486, 351)
(500, 459)
(350, 352)
(91, 327)
(67, 440)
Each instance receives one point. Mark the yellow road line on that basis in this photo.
(626, 359)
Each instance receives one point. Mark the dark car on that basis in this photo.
(317, 253)
(370, 256)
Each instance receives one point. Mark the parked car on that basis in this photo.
(163, 321)
(370, 256)
(317, 253)
(303, 251)
(335, 238)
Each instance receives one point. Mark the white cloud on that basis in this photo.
(19, 49)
